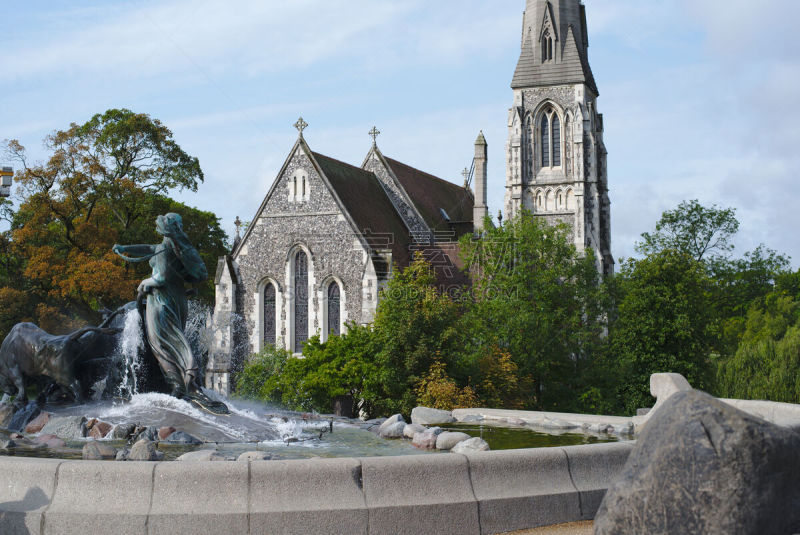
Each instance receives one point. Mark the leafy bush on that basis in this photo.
(438, 390)
(259, 379)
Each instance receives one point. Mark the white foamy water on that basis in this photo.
(130, 348)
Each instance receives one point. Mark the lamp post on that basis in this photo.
(6, 175)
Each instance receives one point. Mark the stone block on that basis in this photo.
(321, 496)
(87, 491)
(594, 467)
(26, 490)
(205, 497)
(520, 489)
(420, 494)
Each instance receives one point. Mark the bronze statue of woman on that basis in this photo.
(175, 262)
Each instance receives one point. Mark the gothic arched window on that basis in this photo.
(300, 300)
(334, 311)
(550, 135)
(269, 314)
(547, 46)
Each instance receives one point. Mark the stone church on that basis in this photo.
(328, 235)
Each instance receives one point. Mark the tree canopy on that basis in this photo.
(692, 229)
(104, 182)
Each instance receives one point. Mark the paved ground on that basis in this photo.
(573, 528)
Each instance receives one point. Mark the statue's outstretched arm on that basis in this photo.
(143, 249)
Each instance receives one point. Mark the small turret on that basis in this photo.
(480, 209)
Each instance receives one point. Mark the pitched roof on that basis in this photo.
(367, 203)
(432, 195)
(573, 67)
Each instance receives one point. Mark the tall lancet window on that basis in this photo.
(547, 46)
(269, 314)
(334, 311)
(550, 135)
(556, 141)
(545, 141)
(300, 300)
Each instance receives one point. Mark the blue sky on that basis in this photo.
(699, 96)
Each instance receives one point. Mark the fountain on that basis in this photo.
(131, 389)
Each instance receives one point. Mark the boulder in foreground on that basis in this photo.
(702, 466)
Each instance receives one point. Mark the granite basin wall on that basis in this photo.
(486, 492)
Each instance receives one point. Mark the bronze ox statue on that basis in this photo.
(29, 351)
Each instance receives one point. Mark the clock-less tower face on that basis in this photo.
(555, 156)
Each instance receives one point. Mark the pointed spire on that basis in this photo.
(481, 140)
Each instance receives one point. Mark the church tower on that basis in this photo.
(555, 156)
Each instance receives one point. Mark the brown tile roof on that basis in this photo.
(367, 203)
(431, 195)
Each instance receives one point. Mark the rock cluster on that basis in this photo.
(430, 438)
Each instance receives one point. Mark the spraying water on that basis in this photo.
(131, 345)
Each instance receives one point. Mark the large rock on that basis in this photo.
(702, 466)
(123, 431)
(144, 450)
(66, 427)
(202, 455)
(448, 439)
(164, 432)
(180, 437)
(426, 440)
(51, 441)
(393, 431)
(99, 430)
(36, 425)
(428, 416)
(412, 429)
(392, 420)
(471, 445)
(97, 451)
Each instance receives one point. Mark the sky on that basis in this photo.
(699, 97)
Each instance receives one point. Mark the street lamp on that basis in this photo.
(6, 176)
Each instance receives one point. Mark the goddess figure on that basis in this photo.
(175, 262)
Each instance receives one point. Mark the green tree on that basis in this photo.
(766, 363)
(539, 299)
(692, 229)
(414, 326)
(103, 183)
(661, 325)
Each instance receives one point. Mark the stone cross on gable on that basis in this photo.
(238, 223)
(300, 125)
(374, 133)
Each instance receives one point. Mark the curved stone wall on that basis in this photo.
(487, 492)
